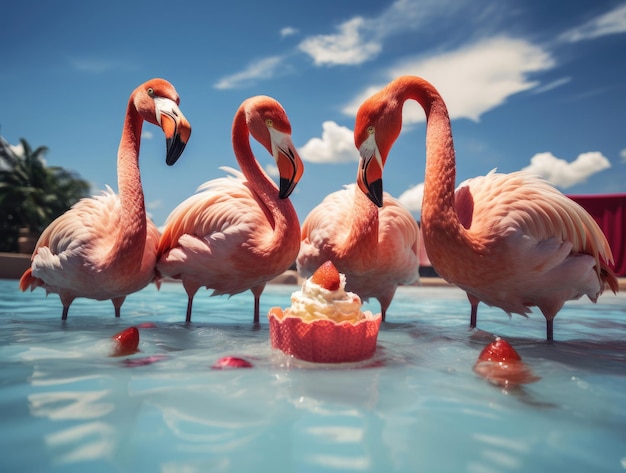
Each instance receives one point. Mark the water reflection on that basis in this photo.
(416, 406)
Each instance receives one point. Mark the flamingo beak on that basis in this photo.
(370, 174)
(176, 128)
(290, 166)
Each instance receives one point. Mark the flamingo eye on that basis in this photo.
(370, 130)
(150, 91)
(269, 122)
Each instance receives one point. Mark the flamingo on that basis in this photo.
(104, 247)
(238, 232)
(509, 240)
(377, 249)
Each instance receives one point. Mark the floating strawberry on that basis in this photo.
(327, 276)
(501, 365)
(228, 362)
(499, 350)
(125, 342)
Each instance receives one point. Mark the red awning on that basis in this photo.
(609, 211)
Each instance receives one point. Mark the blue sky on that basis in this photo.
(529, 84)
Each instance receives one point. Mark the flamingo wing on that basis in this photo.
(534, 207)
(548, 248)
(76, 242)
(206, 236)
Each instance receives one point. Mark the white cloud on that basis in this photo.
(412, 198)
(288, 31)
(563, 174)
(360, 39)
(404, 15)
(347, 47)
(473, 79)
(154, 204)
(552, 85)
(611, 22)
(146, 135)
(335, 146)
(272, 170)
(262, 69)
(622, 155)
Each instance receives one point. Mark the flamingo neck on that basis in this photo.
(279, 212)
(132, 229)
(438, 199)
(440, 176)
(362, 238)
(444, 236)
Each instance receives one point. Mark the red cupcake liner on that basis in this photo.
(323, 341)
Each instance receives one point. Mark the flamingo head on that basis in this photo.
(157, 102)
(269, 125)
(378, 124)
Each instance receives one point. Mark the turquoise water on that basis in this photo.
(416, 406)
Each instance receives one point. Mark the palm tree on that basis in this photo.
(31, 193)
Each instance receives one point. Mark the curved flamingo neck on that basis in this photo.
(440, 176)
(362, 237)
(444, 236)
(279, 212)
(131, 238)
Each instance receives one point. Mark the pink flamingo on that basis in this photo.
(104, 247)
(377, 249)
(240, 231)
(509, 240)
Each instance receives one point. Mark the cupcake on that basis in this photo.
(325, 323)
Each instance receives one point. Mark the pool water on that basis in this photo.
(417, 405)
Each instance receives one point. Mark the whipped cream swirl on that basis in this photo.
(314, 302)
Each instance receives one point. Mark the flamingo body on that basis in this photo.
(240, 231)
(533, 246)
(509, 240)
(377, 249)
(105, 247)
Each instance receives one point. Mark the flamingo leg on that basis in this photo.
(257, 291)
(191, 287)
(474, 301)
(66, 300)
(257, 303)
(189, 304)
(473, 315)
(117, 304)
(549, 329)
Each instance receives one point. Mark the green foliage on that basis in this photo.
(31, 193)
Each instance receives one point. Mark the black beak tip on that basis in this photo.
(286, 188)
(174, 148)
(375, 193)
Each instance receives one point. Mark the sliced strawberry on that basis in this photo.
(499, 350)
(125, 342)
(227, 362)
(327, 276)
